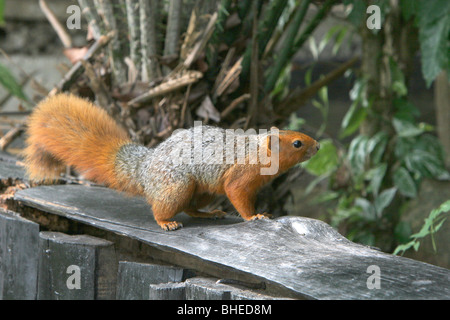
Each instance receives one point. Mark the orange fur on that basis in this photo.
(68, 130)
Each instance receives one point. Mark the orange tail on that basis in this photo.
(68, 130)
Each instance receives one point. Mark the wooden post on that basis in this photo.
(77, 267)
(18, 257)
(134, 279)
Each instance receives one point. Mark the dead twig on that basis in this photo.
(234, 104)
(9, 137)
(78, 68)
(57, 26)
(170, 85)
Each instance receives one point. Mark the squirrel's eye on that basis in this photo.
(297, 143)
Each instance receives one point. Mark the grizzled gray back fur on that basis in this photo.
(201, 154)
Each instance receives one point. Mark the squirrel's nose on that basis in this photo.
(317, 146)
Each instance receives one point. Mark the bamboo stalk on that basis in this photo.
(320, 15)
(286, 51)
(265, 31)
(105, 10)
(173, 30)
(192, 56)
(254, 66)
(92, 17)
(223, 12)
(133, 18)
(148, 15)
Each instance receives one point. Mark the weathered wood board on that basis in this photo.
(19, 244)
(306, 257)
(76, 267)
(134, 278)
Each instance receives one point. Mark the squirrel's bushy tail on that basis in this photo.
(68, 130)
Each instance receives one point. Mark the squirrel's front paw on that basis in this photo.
(259, 216)
(170, 225)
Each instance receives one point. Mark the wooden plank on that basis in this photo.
(134, 279)
(76, 267)
(167, 291)
(304, 257)
(18, 257)
(202, 288)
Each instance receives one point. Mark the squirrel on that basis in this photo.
(66, 130)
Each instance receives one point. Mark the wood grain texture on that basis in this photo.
(302, 256)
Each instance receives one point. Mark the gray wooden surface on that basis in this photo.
(76, 267)
(19, 240)
(304, 257)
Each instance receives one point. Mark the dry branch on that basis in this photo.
(59, 29)
(78, 68)
(170, 85)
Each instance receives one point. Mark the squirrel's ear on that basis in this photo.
(272, 141)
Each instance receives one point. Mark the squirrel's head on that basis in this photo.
(294, 147)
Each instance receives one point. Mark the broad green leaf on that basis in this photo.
(425, 164)
(376, 146)
(324, 161)
(352, 120)
(375, 176)
(434, 25)
(8, 81)
(405, 110)
(357, 154)
(368, 210)
(402, 232)
(404, 182)
(384, 200)
(406, 128)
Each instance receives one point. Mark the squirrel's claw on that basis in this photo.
(260, 216)
(170, 225)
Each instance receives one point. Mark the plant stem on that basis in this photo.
(287, 48)
(148, 15)
(133, 18)
(173, 30)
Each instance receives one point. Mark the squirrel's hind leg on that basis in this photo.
(171, 201)
(200, 201)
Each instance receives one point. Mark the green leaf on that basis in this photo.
(425, 164)
(352, 120)
(368, 210)
(324, 161)
(402, 231)
(376, 175)
(358, 13)
(404, 247)
(434, 24)
(376, 146)
(8, 81)
(404, 182)
(357, 154)
(409, 8)
(406, 129)
(384, 200)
